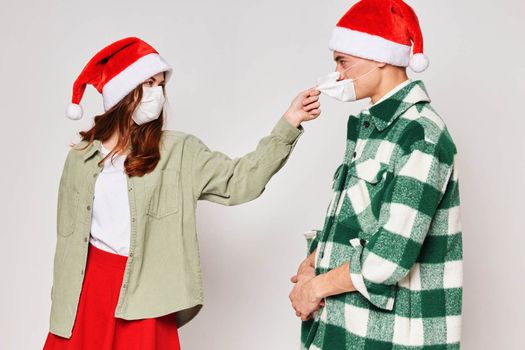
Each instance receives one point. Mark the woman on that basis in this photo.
(126, 267)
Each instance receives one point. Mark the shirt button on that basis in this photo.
(366, 123)
(133, 219)
(85, 239)
(124, 285)
(95, 175)
(131, 254)
(88, 207)
(129, 190)
(355, 154)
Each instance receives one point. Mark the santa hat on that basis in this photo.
(115, 71)
(383, 31)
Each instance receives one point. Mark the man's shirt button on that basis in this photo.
(366, 123)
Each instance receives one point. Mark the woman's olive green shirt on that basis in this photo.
(163, 272)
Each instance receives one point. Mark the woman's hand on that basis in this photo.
(304, 107)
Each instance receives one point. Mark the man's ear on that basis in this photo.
(380, 64)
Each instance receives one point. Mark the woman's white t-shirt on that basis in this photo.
(110, 222)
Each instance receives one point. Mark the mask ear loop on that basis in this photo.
(361, 76)
(345, 81)
(352, 66)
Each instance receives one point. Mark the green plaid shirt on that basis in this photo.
(395, 216)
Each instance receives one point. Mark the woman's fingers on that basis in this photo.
(311, 106)
(310, 100)
(312, 91)
(311, 103)
(315, 113)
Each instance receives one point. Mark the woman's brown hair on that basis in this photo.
(144, 139)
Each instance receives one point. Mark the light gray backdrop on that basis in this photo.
(237, 66)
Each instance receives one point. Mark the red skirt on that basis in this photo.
(96, 327)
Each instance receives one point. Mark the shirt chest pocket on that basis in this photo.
(369, 170)
(165, 194)
(363, 188)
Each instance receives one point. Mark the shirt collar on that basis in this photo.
(396, 102)
(92, 149)
(96, 146)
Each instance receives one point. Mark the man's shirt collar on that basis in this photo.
(385, 111)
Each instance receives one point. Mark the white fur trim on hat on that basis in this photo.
(74, 111)
(419, 62)
(131, 77)
(369, 46)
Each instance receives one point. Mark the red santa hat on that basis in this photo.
(383, 31)
(115, 71)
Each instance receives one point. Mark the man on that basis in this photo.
(385, 272)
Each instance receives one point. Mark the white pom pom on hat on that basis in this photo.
(419, 62)
(74, 111)
(115, 71)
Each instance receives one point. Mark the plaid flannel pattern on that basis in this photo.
(395, 217)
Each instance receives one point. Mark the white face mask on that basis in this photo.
(342, 90)
(150, 105)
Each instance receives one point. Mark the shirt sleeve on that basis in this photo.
(411, 198)
(220, 179)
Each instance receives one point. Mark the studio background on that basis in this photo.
(237, 65)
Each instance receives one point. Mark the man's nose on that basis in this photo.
(340, 75)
